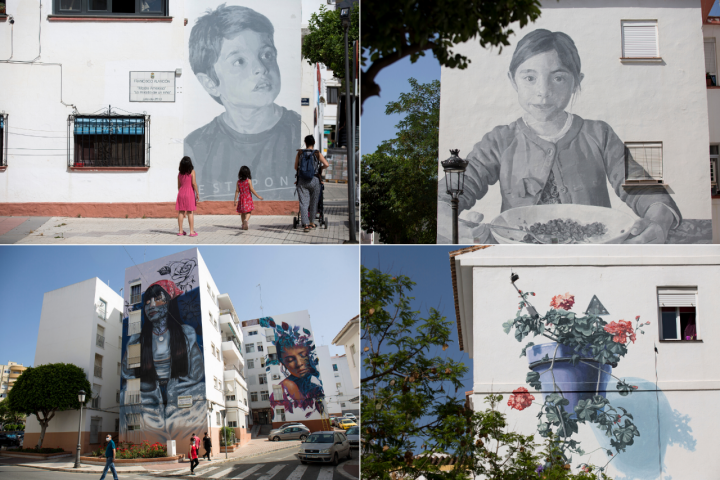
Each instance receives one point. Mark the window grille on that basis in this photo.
(100, 341)
(133, 356)
(253, 397)
(102, 309)
(133, 421)
(262, 379)
(640, 39)
(251, 363)
(132, 392)
(108, 141)
(714, 157)
(644, 162)
(264, 395)
(3, 139)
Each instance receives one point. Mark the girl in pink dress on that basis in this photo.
(187, 197)
(243, 198)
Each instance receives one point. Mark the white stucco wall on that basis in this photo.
(625, 280)
(67, 334)
(664, 101)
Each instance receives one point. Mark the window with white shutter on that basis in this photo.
(710, 56)
(678, 313)
(133, 356)
(640, 39)
(132, 392)
(644, 162)
(134, 320)
(714, 157)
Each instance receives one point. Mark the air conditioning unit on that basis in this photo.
(276, 376)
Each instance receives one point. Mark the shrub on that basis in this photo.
(144, 450)
(230, 436)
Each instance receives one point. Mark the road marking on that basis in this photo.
(222, 472)
(297, 473)
(273, 471)
(249, 472)
(326, 473)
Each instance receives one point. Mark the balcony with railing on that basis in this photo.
(233, 374)
(100, 341)
(231, 350)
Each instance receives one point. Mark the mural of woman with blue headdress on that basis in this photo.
(296, 355)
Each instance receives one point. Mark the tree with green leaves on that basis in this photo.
(399, 180)
(408, 28)
(44, 390)
(413, 408)
(8, 416)
(326, 41)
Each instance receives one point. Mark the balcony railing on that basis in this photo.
(132, 397)
(100, 341)
(227, 311)
(229, 368)
(135, 298)
(98, 371)
(236, 342)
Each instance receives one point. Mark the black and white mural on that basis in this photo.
(551, 175)
(243, 100)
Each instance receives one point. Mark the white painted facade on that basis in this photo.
(627, 281)
(86, 65)
(662, 100)
(74, 329)
(349, 338)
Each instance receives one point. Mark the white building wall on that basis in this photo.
(346, 380)
(626, 282)
(214, 368)
(666, 101)
(67, 334)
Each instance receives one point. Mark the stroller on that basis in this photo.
(320, 210)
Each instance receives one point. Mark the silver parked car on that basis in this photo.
(297, 432)
(324, 447)
(353, 436)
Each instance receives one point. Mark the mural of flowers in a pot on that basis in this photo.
(573, 372)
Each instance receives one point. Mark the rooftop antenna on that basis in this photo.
(262, 312)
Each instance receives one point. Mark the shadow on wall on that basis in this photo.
(642, 461)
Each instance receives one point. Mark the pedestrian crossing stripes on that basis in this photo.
(283, 471)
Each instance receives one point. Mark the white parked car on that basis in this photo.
(324, 447)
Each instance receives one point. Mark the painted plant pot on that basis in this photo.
(579, 382)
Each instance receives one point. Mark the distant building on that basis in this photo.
(82, 324)
(349, 338)
(8, 374)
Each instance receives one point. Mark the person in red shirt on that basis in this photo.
(193, 456)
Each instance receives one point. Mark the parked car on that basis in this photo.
(333, 420)
(300, 432)
(353, 436)
(9, 440)
(351, 416)
(291, 424)
(346, 423)
(324, 447)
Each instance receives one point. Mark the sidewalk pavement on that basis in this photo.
(254, 448)
(211, 229)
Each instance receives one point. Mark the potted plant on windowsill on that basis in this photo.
(573, 371)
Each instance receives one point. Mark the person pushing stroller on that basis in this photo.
(308, 164)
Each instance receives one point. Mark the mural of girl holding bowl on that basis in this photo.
(302, 387)
(171, 366)
(550, 156)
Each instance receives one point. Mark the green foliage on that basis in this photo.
(399, 180)
(46, 389)
(408, 415)
(8, 416)
(12, 427)
(144, 450)
(326, 41)
(395, 30)
(230, 436)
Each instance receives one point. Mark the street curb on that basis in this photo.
(73, 470)
(174, 473)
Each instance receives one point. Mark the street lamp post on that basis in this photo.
(349, 130)
(222, 412)
(81, 399)
(454, 182)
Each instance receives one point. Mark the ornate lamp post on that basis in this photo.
(454, 182)
(81, 399)
(349, 129)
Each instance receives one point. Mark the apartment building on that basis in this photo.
(8, 374)
(182, 366)
(653, 308)
(82, 324)
(340, 394)
(349, 338)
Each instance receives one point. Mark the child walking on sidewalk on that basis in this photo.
(243, 195)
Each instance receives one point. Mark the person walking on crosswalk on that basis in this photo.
(207, 445)
(192, 455)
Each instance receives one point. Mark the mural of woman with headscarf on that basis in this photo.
(171, 366)
(302, 387)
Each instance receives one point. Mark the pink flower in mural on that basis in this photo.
(564, 302)
(621, 330)
(520, 399)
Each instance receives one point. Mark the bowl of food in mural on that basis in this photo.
(568, 223)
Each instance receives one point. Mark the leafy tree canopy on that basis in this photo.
(326, 41)
(399, 180)
(46, 389)
(395, 30)
(8, 416)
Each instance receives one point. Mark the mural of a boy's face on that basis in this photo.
(544, 86)
(297, 360)
(156, 308)
(247, 70)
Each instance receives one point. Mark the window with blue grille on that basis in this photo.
(3, 139)
(110, 141)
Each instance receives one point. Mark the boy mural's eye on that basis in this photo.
(529, 78)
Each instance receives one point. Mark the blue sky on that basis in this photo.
(323, 280)
(429, 268)
(393, 80)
